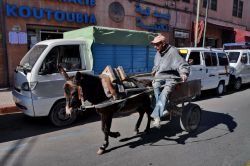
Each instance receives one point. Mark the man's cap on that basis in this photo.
(159, 38)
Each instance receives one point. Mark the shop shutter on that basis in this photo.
(133, 59)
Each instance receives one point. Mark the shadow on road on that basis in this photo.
(18, 126)
(172, 133)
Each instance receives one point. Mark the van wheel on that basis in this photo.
(59, 117)
(237, 84)
(221, 88)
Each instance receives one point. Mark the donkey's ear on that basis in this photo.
(63, 72)
(78, 77)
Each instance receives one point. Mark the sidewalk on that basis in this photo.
(7, 104)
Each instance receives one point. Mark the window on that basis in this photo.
(223, 61)
(194, 58)
(70, 57)
(237, 8)
(67, 56)
(233, 57)
(204, 4)
(244, 58)
(210, 59)
(49, 64)
(214, 59)
(214, 5)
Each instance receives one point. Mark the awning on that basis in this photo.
(241, 35)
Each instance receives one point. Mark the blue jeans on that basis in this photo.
(161, 97)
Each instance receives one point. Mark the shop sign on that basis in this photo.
(180, 34)
(146, 12)
(49, 14)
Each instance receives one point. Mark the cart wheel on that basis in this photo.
(191, 116)
(59, 117)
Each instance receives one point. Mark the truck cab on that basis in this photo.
(38, 84)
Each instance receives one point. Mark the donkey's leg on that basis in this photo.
(106, 134)
(138, 123)
(148, 111)
(109, 123)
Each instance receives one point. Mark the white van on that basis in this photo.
(240, 62)
(38, 86)
(208, 65)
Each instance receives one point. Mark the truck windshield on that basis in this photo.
(233, 56)
(31, 57)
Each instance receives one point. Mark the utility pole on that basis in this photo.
(197, 22)
(205, 28)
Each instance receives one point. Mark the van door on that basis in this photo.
(211, 75)
(197, 69)
(50, 82)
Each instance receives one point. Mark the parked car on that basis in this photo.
(211, 66)
(239, 60)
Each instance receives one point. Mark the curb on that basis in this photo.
(6, 109)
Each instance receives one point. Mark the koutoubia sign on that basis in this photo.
(48, 13)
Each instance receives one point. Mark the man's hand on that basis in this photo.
(184, 77)
(153, 73)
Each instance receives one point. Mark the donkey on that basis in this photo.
(85, 86)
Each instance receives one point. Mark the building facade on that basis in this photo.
(24, 23)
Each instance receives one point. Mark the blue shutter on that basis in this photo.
(133, 59)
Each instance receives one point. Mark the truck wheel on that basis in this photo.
(221, 88)
(59, 117)
(237, 84)
(190, 118)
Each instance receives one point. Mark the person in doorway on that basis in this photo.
(169, 68)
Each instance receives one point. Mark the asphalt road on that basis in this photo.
(223, 139)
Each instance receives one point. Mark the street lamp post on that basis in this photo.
(197, 21)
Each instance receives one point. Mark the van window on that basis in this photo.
(210, 59)
(233, 56)
(223, 61)
(32, 56)
(244, 58)
(67, 56)
(214, 59)
(49, 64)
(70, 57)
(249, 57)
(194, 58)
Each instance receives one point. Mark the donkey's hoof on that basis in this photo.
(100, 151)
(117, 134)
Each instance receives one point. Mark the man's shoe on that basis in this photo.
(156, 122)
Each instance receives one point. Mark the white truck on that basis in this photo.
(38, 86)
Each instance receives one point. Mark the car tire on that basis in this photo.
(58, 115)
(237, 84)
(220, 88)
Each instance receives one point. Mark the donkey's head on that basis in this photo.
(72, 91)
